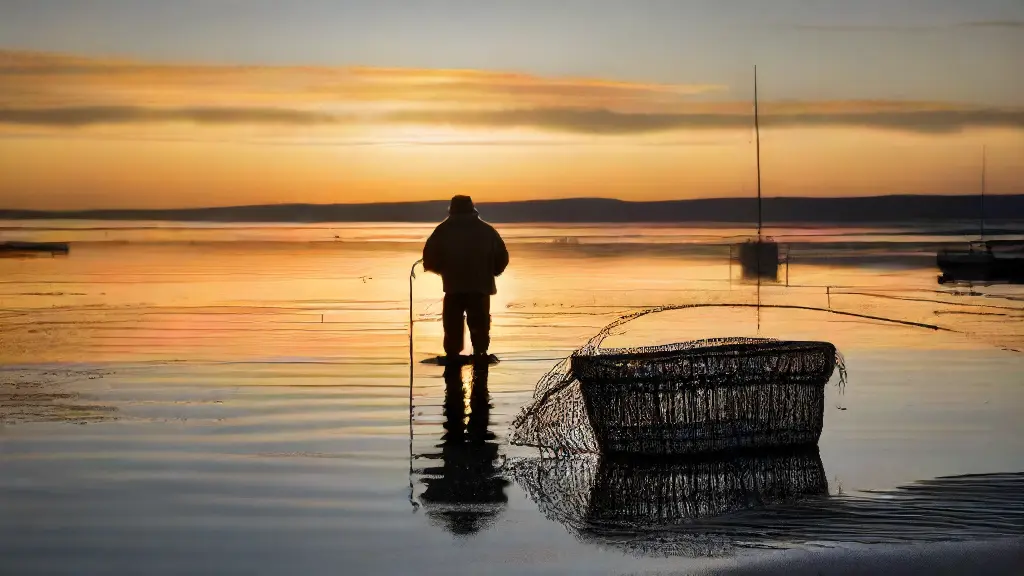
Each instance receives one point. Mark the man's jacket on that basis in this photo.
(468, 253)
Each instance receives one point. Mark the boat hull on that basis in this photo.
(759, 259)
(980, 267)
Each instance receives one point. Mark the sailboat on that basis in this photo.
(980, 262)
(760, 258)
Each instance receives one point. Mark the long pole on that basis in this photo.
(412, 276)
(412, 489)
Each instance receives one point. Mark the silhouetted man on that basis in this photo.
(468, 253)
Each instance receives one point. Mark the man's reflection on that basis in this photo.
(465, 493)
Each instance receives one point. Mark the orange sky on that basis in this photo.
(79, 132)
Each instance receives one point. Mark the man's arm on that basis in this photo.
(432, 258)
(500, 254)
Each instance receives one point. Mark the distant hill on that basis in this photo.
(876, 209)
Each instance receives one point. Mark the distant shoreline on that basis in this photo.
(786, 210)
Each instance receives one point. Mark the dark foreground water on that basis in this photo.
(241, 405)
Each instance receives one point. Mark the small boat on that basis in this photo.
(707, 395)
(47, 247)
(982, 262)
(759, 259)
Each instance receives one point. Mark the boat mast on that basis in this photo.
(758, 246)
(983, 193)
(757, 135)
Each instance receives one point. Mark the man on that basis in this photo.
(468, 253)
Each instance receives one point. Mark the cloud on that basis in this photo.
(1013, 24)
(68, 92)
(55, 80)
(606, 122)
(107, 115)
(861, 28)
(882, 115)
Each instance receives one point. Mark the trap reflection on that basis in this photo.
(651, 504)
(715, 505)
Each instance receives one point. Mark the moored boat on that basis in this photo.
(982, 262)
(759, 259)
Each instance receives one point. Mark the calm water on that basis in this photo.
(235, 399)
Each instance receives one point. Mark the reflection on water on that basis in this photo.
(645, 504)
(464, 492)
(713, 505)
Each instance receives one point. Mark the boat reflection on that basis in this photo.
(465, 493)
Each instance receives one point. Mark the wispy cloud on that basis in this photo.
(33, 78)
(108, 115)
(607, 122)
(1013, 24)
(564, 120)
(67, 92)
(868, 28)
(861, 28)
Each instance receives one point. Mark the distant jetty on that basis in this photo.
(41, 247)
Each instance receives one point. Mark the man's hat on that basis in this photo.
(461, 205)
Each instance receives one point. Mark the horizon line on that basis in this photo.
(500, 202)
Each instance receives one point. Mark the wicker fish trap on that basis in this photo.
(706, 396)
(680, 399)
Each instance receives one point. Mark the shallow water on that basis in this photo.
(238, 402)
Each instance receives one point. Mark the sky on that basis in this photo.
(149, 103)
